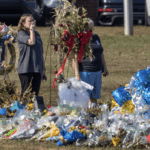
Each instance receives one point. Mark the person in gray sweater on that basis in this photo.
(31, 66)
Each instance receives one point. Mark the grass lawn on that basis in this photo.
(124, 56)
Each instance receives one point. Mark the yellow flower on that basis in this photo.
(30, 106)
(12, 114)
(45, 111)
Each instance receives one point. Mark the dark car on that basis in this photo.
(49, 8)
(11, 10)
(111, 12)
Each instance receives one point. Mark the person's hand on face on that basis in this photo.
(29, 23)
(32, 26)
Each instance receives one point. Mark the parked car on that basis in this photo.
(42, 10)
(111, 12)
(12, 10)
(49, 8)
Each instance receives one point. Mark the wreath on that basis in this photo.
(72, 34)
(5, 69)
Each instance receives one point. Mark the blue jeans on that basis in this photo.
(94, 79)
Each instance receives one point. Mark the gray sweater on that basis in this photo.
(31, 57)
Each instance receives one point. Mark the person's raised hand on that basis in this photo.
(32, 26)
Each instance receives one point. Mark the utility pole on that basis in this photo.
(128, 17)
(147, 12)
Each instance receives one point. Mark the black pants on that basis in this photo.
(25, 80)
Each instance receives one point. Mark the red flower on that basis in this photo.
(76, 45)
(56, 72)
(68, 24)
(60, 25)
(62, 38)
(48, 106)
(66, 33)
(83, 16)
(55, 47)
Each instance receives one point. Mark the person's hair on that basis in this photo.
(91, 23)
(21, 21)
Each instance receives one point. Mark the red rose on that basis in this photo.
(56, 46)
(83, 16)
(62, 38)
(48, 106)
(60, 25)
(68, 24)
(56, 72)
(56, 49)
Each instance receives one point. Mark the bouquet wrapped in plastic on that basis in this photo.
(74, 93)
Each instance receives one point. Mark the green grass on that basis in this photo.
(124, 56)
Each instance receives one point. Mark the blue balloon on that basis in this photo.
(2, 111)
(121, 95)
(147, 96)
(63, 132)
(143, 76)
(16, 106)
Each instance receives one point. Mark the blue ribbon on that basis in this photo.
(143, 77)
